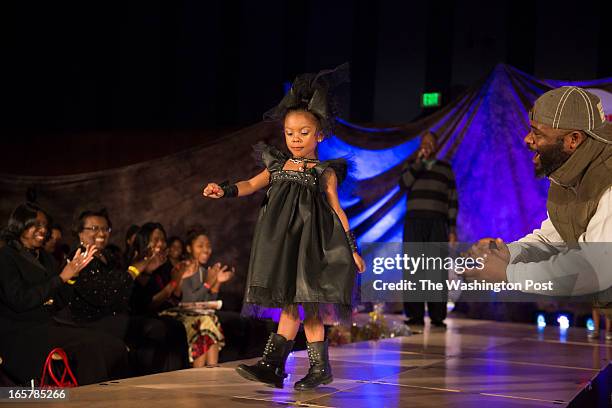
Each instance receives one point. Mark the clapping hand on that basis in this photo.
(155, 258)
(219, 274)
(491, 245)
(495, 256)
(79, 261)
(213, 190)
(224, 274)
(187, 268)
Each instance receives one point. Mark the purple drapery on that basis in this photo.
(481, 134)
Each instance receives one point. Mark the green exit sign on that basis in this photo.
(431, 99)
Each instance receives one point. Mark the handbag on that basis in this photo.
(66, 379)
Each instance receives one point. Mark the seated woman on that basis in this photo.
(176, 250)
(157, 287)
(200, 284)
(100, 294)
(30, 293)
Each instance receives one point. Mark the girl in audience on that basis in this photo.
(202, 283)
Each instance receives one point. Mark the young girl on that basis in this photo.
(303, 251)
(200, 284)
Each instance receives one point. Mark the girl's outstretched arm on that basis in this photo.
(331, 191)
(244, 188)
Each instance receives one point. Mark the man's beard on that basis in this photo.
(551, 158)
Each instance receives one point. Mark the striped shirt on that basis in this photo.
(431, 191)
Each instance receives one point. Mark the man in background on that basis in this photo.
(431, 214)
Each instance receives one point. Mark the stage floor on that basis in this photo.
(472, 363)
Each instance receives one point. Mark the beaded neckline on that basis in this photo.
(304, 159)
(305, 178)
(303, 163)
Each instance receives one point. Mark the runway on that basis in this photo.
(472, 363)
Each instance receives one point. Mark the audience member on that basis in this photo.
(31, 290)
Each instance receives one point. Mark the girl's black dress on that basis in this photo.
(300, 254)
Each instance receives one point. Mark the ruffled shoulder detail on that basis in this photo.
(269, 156)
(339, 166)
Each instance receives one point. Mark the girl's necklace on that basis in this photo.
(302, 161)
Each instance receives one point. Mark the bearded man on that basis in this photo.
(573, 147)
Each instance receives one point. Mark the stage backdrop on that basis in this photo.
(481, 135)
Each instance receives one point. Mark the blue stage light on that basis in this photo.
(541, 321)
(563, 322)
(590, 324)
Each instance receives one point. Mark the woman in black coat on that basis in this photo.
(31, 291)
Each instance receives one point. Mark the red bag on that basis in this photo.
(63, 382)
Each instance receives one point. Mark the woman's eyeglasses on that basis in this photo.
(95, 229)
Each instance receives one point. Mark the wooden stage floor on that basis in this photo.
(473, 363)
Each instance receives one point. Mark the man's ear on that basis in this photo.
(188, 248)
(573, 140)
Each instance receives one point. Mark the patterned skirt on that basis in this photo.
(203, 331)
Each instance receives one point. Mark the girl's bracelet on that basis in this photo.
(229, 190)
(350, 237)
